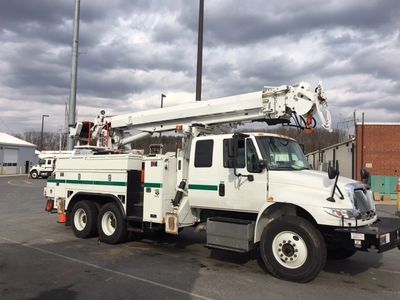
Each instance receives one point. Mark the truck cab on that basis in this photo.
(43, 169)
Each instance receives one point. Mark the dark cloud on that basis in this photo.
(238, 23)
(132, 49)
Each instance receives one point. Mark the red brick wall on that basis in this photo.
(381, 149)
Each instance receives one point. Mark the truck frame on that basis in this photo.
(249, 191)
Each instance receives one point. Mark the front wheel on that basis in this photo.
(34, 174)
(293, 249)
(112, 225)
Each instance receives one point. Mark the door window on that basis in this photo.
(252, 158)
(203, 154)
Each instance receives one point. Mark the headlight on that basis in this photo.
(350, 192)
(345, 213)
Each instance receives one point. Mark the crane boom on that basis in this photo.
(273, 105)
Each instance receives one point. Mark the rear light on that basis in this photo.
(142, 174)
(49, 205)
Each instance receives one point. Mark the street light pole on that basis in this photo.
(162, 100)
(162, 105)
(41, 133)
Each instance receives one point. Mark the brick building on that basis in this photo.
(378, 148)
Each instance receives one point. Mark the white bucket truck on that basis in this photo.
(250, 192)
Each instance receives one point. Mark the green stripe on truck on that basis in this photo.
(152, 185)
(92, 182)
(203, 187)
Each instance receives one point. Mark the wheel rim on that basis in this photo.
(34, 175)
(80, 219)
(109, 223)
(289, 249)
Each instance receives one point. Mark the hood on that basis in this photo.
(309, 178)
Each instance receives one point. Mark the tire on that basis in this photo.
(34, 174)
(84, 219)
(337, 251)
(112, 225)
(293, 249)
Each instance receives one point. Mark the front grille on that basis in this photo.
(363, 204)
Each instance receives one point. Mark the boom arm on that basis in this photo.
(274, 105)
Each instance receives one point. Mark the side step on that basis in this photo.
(135, 224)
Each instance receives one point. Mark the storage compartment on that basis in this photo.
(159, 186)
(230, 234)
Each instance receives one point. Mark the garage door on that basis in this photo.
(10, 161)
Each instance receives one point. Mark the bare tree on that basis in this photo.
(51, 140)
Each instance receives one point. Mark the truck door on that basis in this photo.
(213, 184)
(245, 187)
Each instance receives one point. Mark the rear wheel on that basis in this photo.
(84, 219)
(293, 249)
(112, 225)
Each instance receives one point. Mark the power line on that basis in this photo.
(9, 130)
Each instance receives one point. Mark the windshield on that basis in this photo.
(282, 154)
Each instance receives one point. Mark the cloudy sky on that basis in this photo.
(132, 51)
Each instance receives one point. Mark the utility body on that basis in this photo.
(250, 192)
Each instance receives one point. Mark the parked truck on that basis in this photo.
(45, 167)
(249, 191)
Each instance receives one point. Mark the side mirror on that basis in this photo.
(233, 145)
(231, 163)
(364, 174)
(332, 172)
(262, 164)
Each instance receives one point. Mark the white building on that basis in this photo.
(16, 155)
(341, 156)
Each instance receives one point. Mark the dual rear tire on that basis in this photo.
(87, 221)
(84, 219)
(111, 224)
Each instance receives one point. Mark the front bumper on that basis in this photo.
(380, 236)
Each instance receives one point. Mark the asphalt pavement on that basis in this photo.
(40, 259)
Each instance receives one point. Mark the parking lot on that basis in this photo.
(40, 259)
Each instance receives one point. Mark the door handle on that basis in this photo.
(221, 189)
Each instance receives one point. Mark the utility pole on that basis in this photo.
(41, 133)
(74, 73)
(200, 51)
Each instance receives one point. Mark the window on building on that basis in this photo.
(203, 154)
